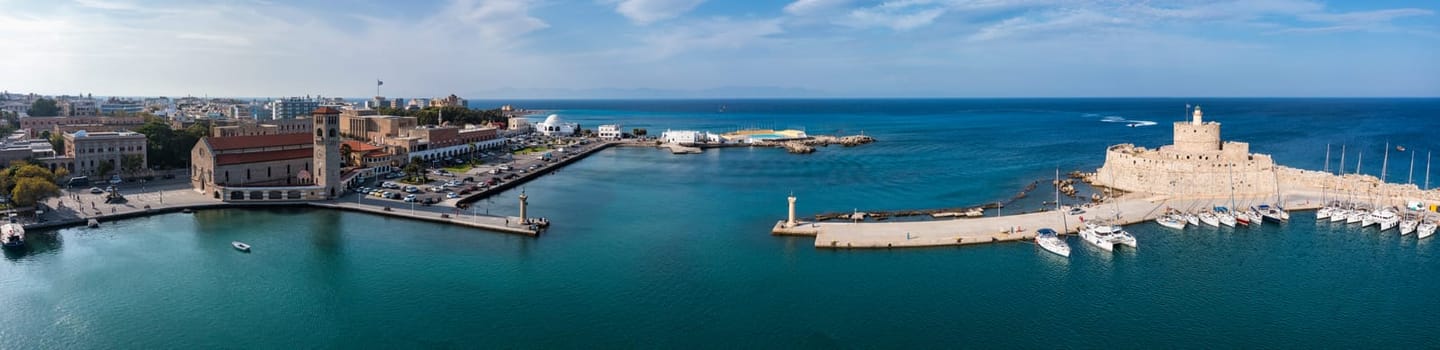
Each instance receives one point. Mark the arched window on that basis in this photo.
(319, 132)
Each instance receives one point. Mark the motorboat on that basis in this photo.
(1425, 229)
(12, 234)
(1051, 241)
(1097, 237)
(241, 246)
(92, 223)
(1209, 218)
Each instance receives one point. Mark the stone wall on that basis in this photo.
(1133, 169)
(1197, 138)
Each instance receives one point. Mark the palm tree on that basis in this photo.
(345, 151)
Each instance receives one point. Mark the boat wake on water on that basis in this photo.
(1127, 122)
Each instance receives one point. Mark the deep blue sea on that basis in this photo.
(650, 249)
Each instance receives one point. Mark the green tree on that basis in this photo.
(105, 168)
(131, 164)
(29, 190)
(43, 108)
(638, 132)
(57, 141)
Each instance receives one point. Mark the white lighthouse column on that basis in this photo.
(523, 204)
(791, 221)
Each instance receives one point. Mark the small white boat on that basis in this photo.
(1048, 239)
(1339, 214)
(1323, 213)
(1171, 221)
(12, 234)
(1225, 218)
(1209, 218)
(1356, 216)
(1425, 229)
(1408, 225)
(1191, 219)
(92, 223)
(241, 246)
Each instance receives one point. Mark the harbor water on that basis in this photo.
(650, 249)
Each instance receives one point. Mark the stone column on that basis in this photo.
(791, 221)
(522, 206)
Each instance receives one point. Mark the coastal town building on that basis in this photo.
(103, 153)
(292, 107)
(38, 125)
(366, 126)
(373, 159)
(78, 107)
(554, 126)
(609, 132)
(1198, 163)
(283, 167)
(250, 127)
(448, 101)
(19, 146)
(115, 105)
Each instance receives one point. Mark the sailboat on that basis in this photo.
(1324, 212)
(1209, 218)
(1426, 227)
(1046, 237)
(1171, 218)
(1383, 216)
(1225, 217)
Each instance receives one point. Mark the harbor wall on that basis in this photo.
(1206, 174)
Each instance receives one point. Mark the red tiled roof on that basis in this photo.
(267, 156)
(357, 146)
(325, 110)
(237, 142)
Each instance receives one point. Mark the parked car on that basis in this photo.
(451, 195)
(96, 190)
(410, 198)
(412, 189)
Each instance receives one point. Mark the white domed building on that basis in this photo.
(553, 126)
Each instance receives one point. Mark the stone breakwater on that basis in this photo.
(808, 145)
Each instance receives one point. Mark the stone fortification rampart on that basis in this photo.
(1353, 187)
(1200, 174)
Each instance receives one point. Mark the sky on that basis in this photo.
(484, 49)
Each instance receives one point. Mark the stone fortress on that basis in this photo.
(1197, 165)
(1200, 165)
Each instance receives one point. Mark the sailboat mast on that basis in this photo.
(1360, 160)
(1327, 158)
(1385, 164)
(1064, 222)
(1342, 160)
(1411, 179)
(1427, 170)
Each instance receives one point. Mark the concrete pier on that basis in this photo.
(1132, 208)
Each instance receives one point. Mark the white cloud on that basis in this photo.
(812, 7)
(897, 15)
(497, 21)
(1049, 23)
(650, 11)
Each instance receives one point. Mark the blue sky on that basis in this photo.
(712, 48)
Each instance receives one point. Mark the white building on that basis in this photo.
(690, 137)
(553, 126)
(611, 132)
(289, 108)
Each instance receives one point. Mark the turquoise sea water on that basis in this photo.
(650, 249)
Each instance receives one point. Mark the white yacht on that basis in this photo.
(1098, 237)
(1408, 224)
(1357, 215)
(1338, 214)
(1225, 217)
(1191, 219)
(1123, 237)
(1209, 218)
(1425, 229)
(1171, 220)
(1048, 239)
(1323, 213)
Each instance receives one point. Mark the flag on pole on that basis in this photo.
(378, 82)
